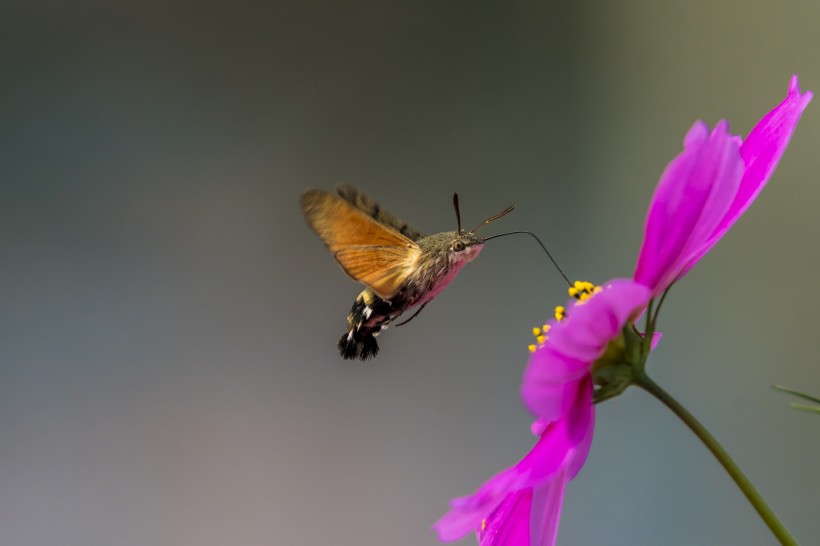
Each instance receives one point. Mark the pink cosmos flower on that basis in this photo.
(702, 192)
(706, 188)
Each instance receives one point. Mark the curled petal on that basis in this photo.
(576, 342)
(550, 385)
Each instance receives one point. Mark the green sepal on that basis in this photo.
(618, 366)
(633, 350)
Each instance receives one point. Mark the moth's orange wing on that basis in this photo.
(368, 251)
(383, 269)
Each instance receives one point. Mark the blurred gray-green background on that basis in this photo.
(168, 374)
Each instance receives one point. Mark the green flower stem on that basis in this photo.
(766, 513)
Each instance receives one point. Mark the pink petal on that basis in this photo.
(528, 517)
(591, 325)
(550, 386)
(509, 524)
(545, 511)
(692, 197)
(656, 338)
(581, 420)
(552, 451)
(761, 152)
(467, 513)
(561, 443)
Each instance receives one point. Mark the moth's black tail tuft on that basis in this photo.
(357, 344)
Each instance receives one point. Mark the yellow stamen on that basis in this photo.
(583, 290)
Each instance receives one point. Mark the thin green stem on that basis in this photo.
(766, 513)
(658, 309)
(648, 332)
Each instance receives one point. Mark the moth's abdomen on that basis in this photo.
(358, 345)
(368, 316)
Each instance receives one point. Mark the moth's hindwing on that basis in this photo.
(370, 207)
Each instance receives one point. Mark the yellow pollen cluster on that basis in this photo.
(540, 336)
(483, 524)
(583, 290)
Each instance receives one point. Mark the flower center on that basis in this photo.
(581, 291)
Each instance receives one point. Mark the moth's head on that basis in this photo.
(466, 245)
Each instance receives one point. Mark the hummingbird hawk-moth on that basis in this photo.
(400, 267)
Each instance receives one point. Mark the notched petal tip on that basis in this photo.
(795, 99)
(794, 85)
(794, 93)
(794, 89)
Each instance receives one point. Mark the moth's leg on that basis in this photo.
(402, 323)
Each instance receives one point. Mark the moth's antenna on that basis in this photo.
(458, 212)
(493, 218)
(539, 242)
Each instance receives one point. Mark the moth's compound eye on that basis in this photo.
(458, 245)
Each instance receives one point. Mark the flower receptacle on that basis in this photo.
(620, 364)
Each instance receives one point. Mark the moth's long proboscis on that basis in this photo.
(542, 246)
